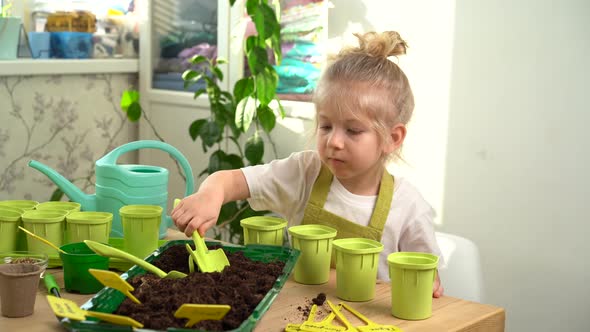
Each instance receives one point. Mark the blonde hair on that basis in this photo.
(363, 79)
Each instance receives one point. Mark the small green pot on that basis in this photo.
(357, 262)
(76, 262)
(9, 222)
(88, 225)
(412, 275)
(263, 230)
(315, 244)
(46, 224)
(141, 225)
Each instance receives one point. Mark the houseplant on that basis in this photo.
(239, 123)
(237, 129)
(9, 32)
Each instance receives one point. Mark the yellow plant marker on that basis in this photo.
(349, 327)
(198, 312)
(69, 309)
(371, 326)
(113, 280)
(323, 325)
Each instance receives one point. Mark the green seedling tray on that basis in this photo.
(114, 263)
(108, 300)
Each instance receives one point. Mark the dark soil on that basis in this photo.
(242, 285)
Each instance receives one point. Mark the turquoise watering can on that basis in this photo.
(119, 185)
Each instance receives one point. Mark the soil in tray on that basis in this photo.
(242, 285)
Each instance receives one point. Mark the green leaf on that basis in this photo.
(245, 112)
(134, 112)
(220, 61)
(227, 211)
(218, 161)
(254, 149)
(244, 87)
(217, 72)
(251, 42)
(232, 2)
(198, 93)
(257, 59)
(129, 97)
(266, 85)
(195, 128)
(56, 195)
(252, 6)
(235, 161)
(281, 109)
(265, 21)
(210, 133)
(267, 118)
(198, 59)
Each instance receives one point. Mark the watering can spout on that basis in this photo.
(87, 202)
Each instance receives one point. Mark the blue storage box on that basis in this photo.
(71, 45)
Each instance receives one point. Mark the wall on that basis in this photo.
(64, 121)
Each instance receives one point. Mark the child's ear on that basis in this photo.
(397, 134)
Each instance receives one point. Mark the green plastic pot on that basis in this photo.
(20, 203)
(9, 222)
(58, 205)
(21, 239)
(263, 230)
(357, 262)
(315, 244)
(88, 225)
(140, 228)
(412, 275)
(77, 259)
(46, 224)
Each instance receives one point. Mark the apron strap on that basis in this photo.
(321, 188)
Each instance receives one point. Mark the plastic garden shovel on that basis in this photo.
(107, 251)
(207, 260)
(371, 326)
(113, 280)
(69, 309)
(198, 312)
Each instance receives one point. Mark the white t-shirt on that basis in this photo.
(284, 186)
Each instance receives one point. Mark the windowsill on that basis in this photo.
(23, 67)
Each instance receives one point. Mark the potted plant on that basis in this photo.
(240, 121)
(9, 32)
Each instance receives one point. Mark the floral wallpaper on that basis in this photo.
(64, 121)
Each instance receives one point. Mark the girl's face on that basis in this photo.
(349, 146)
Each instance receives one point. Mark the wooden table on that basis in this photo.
(449, 314)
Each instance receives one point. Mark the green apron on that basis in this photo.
(315, 213)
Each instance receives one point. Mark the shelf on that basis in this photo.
(67, 66)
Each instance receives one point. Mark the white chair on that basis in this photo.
(461, 273)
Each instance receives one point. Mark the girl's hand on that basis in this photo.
(197, 212)
(437, 288)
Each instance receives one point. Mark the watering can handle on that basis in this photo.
(112, 157)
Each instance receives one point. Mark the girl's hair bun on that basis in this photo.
(385, 44)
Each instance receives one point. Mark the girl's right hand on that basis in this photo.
(198, 211)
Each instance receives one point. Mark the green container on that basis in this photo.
(21, 239)
(46, 224)
(412, 275)
(263, 230)
(58, 205)
(20, 203)
(140, 228)
(9, 222)
(76, 262)
(315, 244)
(108, 299)
(357, 262)
(88, 225)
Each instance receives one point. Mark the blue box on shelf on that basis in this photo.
(71, 45)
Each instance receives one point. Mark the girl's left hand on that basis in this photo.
(437, 288)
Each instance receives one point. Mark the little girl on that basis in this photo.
(363, 103)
